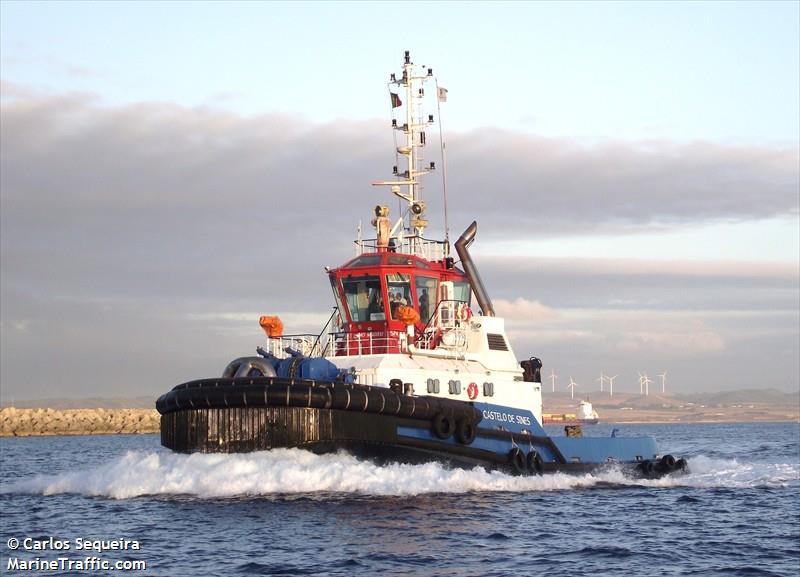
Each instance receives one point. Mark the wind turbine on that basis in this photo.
(641, 383)
(553, 376)
(601, 379)
(571, 386)
(663, 382)
(611, 385)
(646, 380)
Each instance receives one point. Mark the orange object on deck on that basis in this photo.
(407, 315)
(273, 326)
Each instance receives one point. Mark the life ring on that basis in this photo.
(516, 459)
(464, 313)
(535, 463)
(465, 432)
(443, 425)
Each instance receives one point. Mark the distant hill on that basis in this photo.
(87, 403)
(655, 400)
(744, 396)
(740, 406)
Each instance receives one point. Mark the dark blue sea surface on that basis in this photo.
(290, 512)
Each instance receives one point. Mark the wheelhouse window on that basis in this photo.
(396, 259)
(426, 297)
(399, 288)
(337, 297)
(368, 260)
(461, 291)
(364, 300)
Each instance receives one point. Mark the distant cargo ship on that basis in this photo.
(586, 416)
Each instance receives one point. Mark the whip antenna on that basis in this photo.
(441, 96)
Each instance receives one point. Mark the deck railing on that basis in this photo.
(432, 250)
(443, 330)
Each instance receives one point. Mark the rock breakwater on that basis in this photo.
(36, 422)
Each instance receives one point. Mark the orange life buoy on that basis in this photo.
(407, 315)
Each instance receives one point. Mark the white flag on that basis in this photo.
(442, 94)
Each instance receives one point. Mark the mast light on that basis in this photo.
(408, 57)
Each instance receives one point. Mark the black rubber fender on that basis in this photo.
(392, 404)
(443, 425)
(647, 468)
(516, 458)
(377, 401)
(360, 399)
(342, 399)
(534, 463)
(281, 392)
(253, 396)
(276, 395)
(668, 462)
(214, 396)
(423, 407)
(465, 432)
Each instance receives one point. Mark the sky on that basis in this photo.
(171, 171)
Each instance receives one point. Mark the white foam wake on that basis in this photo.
(733, 474)
(292, 471)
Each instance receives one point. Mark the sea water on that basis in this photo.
(289, 512)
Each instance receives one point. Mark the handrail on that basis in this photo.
(433, 250)
(323, 343)
(325, 331)
(436, 311)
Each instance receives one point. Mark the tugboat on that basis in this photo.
(407, 367)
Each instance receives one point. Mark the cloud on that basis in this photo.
(551, 185)
(523, 309)
(190, 159)
(622, 331)
(136, 240)
(637, 284)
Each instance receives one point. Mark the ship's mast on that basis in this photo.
(407, 184)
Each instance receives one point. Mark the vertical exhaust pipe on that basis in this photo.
(462, 244)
